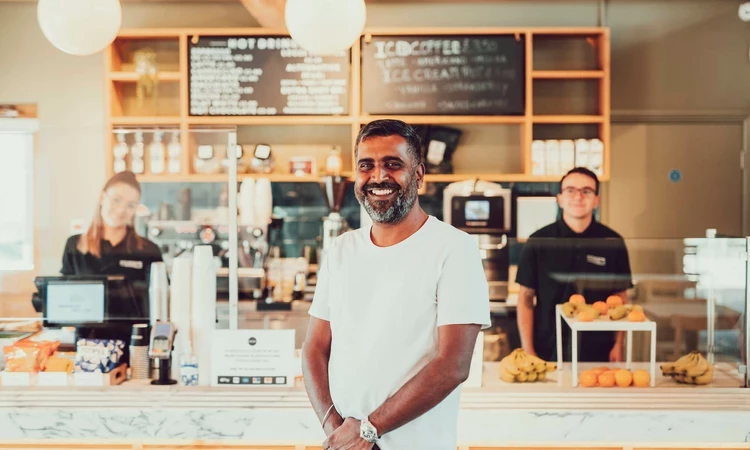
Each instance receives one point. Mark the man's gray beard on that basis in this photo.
(398, 210)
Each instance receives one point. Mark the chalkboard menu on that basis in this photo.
(264, 76)
(447, 75)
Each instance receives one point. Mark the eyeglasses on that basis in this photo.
(572, 192)
(118, 202)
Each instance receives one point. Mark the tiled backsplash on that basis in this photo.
(302, 206)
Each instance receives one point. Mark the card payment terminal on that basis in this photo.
(160, 350)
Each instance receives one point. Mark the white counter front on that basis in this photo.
(529, 414)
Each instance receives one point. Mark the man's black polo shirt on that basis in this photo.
(557, 263)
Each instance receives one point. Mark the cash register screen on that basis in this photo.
(75, 302)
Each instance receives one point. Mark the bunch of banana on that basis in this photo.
(568, 309)
(519, 366)
(618, 312)
(692, 368)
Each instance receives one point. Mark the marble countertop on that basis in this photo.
(554, 394)
(497, 413)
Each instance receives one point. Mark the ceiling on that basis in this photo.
(226, 1)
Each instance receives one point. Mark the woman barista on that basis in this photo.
(111, 246)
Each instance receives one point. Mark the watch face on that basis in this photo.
(368, 432)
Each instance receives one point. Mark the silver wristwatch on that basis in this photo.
(367, 431)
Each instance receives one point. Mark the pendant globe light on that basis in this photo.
(325, 27)
(80, 27)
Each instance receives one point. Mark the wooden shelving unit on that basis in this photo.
(449, 120)
(567, 74)
(271, 120)
(223, 178)
(289, 178)
(567, 119)
(170, 109)
(145, 121)
(132, 77)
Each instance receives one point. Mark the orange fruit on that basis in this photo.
(636, 316)
(641, 378)
(600, 370)
(586, 316)
(623, 378)
(606, 379)
(577, 299)
(614, 301)
(602, 307)
(587, 378)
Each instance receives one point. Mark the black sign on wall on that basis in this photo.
(447, 75)
(264, 76)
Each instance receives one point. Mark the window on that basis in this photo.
(16, 194)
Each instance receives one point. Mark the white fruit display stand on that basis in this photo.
(603, 324)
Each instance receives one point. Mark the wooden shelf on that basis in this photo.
(149, 33)
(417, 120)
(271, 120)
(289, 178)
(132, 77)
(567, 74)
(565, 31)
(567, 119)
(497, 177)
(223, 178)
(146, 120)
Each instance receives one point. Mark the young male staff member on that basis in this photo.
(396, 312)
(575, 255)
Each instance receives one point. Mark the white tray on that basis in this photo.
(603, 325)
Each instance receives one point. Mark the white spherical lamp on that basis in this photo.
(80, 27)
(325, 27)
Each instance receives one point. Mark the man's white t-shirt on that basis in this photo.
(385, 305)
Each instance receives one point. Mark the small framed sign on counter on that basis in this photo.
(253, 358)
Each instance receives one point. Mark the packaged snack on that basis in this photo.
(21, 359)
(61, 362)
(46, 349)
(99, 355)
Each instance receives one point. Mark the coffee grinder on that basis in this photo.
(334, 190)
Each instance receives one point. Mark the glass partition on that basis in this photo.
(693, 288)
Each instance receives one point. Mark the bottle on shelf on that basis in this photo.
(137, 151)
(156, 153)
(552, 157)
(334, 163)
(538, 164)
(567, 155)
(582, 152)
(596, 156)
(120, 152)
(174, 152)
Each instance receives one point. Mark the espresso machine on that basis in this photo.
(176, 237)
(334, 190)
(483, 210)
